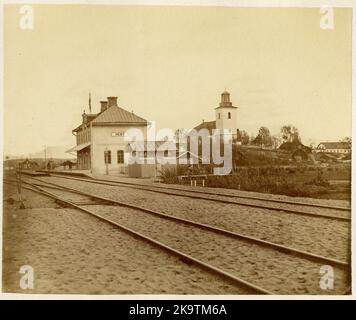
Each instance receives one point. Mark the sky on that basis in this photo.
(170, 65)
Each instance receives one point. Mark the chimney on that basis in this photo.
(103, 105)
(112, 101)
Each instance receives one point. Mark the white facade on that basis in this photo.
(226, 115)
(334, 147)
(226, 118)
(110, 138)
(101, 145)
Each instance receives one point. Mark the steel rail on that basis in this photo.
(281, 248)
(305, 213)
(228, 276)
(307, 204)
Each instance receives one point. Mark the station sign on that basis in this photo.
(118, 134)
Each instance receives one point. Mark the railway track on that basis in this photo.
(185, 257)
(284, 250)
(192, 194)
(329, 238)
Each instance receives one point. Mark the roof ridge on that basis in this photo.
(117, 114)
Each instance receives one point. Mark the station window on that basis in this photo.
(107, 156)
(166, 153)
(229, 115)
(219, 115)
(120, 156)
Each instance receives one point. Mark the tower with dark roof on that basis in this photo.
(226, 114)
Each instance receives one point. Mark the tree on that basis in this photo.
(290, 133)
(245, 138)
(312, 145)
(347, 140)
(276, 141)
(263, 138)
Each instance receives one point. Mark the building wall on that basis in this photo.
(334, 150)
(83, 159)
(102, 138)
(83, 135)
(224, 122)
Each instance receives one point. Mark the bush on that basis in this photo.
(266, 179)
(319, 180)
(274, 180)
(169, 175)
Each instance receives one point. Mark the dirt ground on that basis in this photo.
(319, 236)
(71, 252)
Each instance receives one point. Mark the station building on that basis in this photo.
(100, 144)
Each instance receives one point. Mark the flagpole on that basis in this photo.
(89, 102)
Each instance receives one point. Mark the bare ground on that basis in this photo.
(72, 252)
(316, 235)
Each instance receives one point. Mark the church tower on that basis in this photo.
(225, 115)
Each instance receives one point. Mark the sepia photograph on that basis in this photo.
(176, 150)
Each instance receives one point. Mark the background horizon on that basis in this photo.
(170, 65)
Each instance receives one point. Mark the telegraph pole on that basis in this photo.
(45, 157)
(19, 189)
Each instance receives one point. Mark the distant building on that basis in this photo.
(293, 146)
(297, 151)
(334, 147)
(225, 119)
(100, 138)
(28, 164)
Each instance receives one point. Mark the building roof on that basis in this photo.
(225, 105)
(191, 155)
(115, 114)
(78, 147)
(90, 116)
(293, 146)
(87, 118)
(210, 125)
(334, 145)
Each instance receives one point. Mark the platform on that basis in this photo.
(34, 173)
(76, 173)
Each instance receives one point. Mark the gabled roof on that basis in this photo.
(87, 118)
(210, 125)
(334, 145)
(191, 155)
(90, 117)
(116, 114)
(293, 146)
